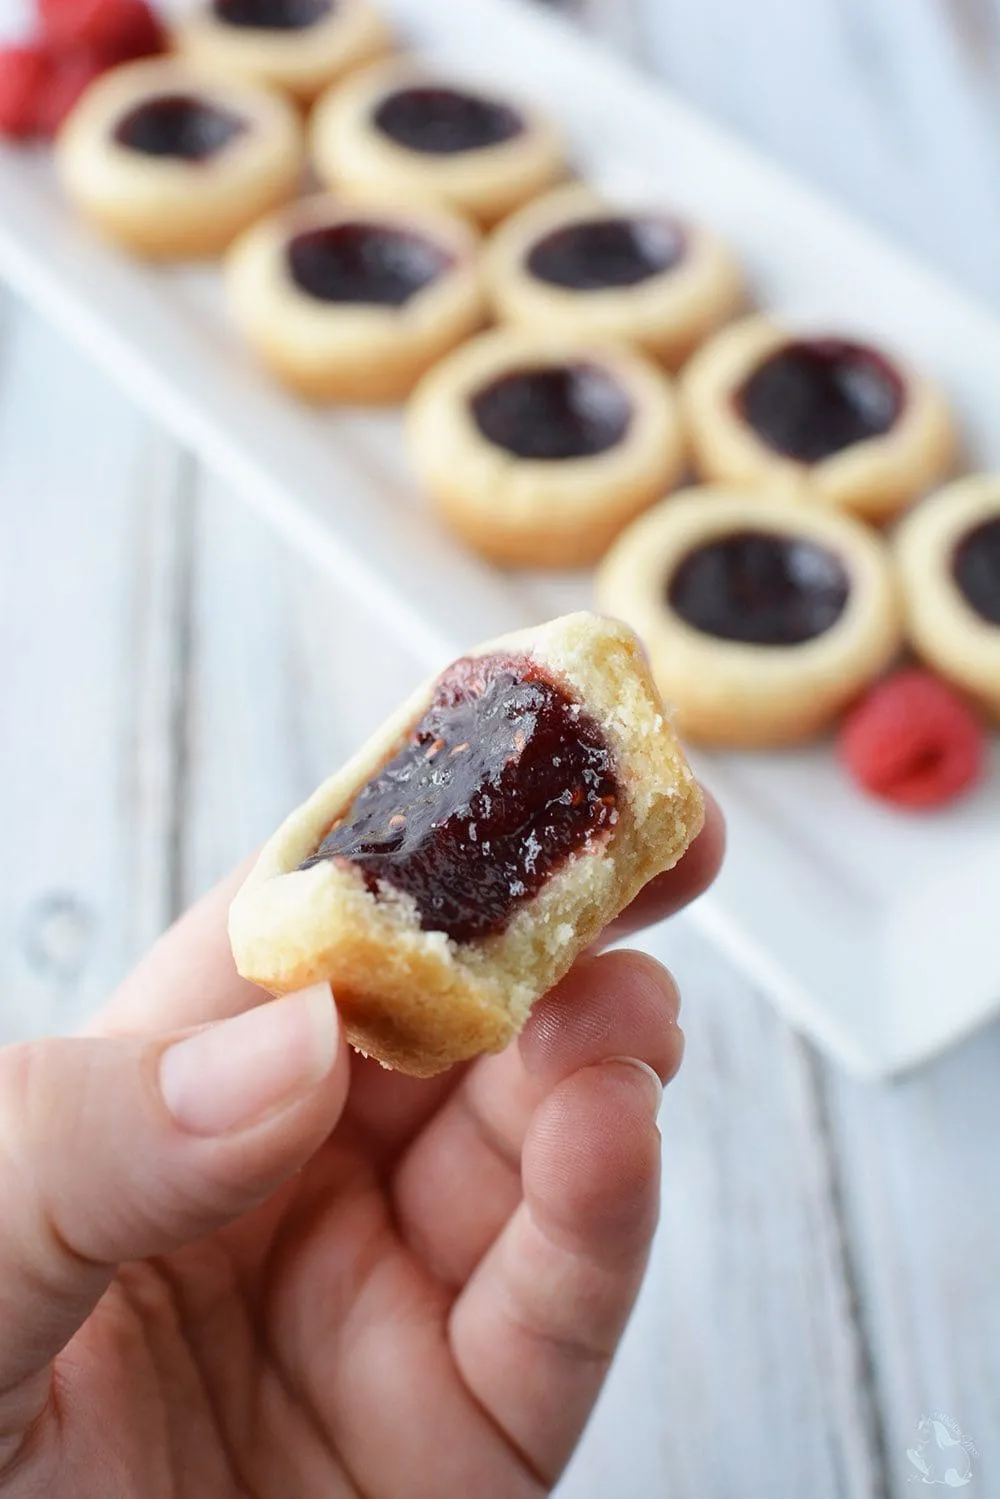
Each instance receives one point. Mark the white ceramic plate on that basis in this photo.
(874, 931)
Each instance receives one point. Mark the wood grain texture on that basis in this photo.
(173, 681)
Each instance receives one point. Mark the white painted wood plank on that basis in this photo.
(79, 800)
(892, 105)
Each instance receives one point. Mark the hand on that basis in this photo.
(224, 1273)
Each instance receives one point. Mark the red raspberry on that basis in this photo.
(114, 30)
(913, 741)
(69, 76)
(23, 75)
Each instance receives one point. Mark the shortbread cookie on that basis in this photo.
(172, 163)
(570, 263)
(948, 550)
(400, 131)
(762, 619)
(349, 303)
(537, 450)
(450, 874)
(300, 46)
(819, 417)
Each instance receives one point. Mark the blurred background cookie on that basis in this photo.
(354, 303)
(570, 263)
(300, 46)
(841, 420)
(537, 449)
(173, 163)
(399, 129)
(948, 550)
(762, 620)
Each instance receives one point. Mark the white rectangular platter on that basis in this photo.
(874, 931)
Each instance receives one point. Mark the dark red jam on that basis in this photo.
(179, 125)
(561, 411)
(360, 262)
(977, 569)
(502, 780)
(812, 398)
(444, 121)
(598, 254)
(272, 15)
(761, 588)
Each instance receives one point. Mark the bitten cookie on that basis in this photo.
(353, 303)
(762, 619)
(818, 417)
(173, 163)
(300, 46)
(402, 132)
(450, 874)
(536, 449)
(948, 550)
(570, 263)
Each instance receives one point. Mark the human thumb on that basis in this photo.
(117, 1148)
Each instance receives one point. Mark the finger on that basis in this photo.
(188, 977)
(678, 887)
(115, 1149)
(460, 1181)
(534, 1331)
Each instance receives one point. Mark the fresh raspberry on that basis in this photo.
(24, 72)
(113, 30)
(68, 77)
(913, 741)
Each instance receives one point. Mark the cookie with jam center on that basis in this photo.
(537, 450)
(172, 163)
(572, 263)
(299, 46)
(399, 131)
(352, 301)
(762, 619)
(948, 551)
(451, 873)
(820, 416)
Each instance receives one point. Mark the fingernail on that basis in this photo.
(232, 1075)
(654, 1087)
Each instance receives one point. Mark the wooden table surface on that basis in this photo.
(172, 681)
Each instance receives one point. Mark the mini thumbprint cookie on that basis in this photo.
(824, 417)
(174, 164)
(762, 620)
(449, 874)
(300, 46)
(948, 551)
(537, 450)
(569, 263)
(349, 303)
(396, 130)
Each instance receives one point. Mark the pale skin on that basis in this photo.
(236, 1261)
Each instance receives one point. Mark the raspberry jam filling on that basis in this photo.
(501, 781)
(976, 568)
(814, 397)
(444, 121)
(599, 254)
(272, 15)
(760, 588)
(561, 411)
(179, 125)
(369, 263)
